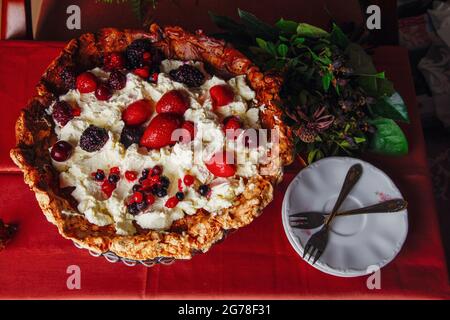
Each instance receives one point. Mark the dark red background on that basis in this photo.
(255, 262)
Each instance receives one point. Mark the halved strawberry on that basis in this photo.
(137, 113)
(159, 131)
(189, 134)
(222, 164)
(86, 82)
(230, 125)
(143, 72)
(221, 95)
(174, 101)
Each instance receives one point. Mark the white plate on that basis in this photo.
(355, 242)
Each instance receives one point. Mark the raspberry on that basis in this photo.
(130, 135)
(113, 61)
(93, 139)
(117, 80)
(134, 53)
(189, 75)
(62, 112)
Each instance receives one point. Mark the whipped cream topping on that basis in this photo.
(176, 161)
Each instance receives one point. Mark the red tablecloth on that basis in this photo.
(255, 262)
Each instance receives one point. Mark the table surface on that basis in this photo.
(255, 262)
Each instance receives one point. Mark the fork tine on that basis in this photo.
(317, 256)
(305, 252)
(298, 224)
(302, 218)
(296, 215)
(313, 253)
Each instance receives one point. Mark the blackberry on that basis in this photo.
(113, 178)
(117, 80)
(130, 135)
(133, 209)
(135, 53)
(189, 75)
(164, 182)
(62, 112)
(180, 196)
(93, 139)
(137, 187)
(68, 78)
(204, 189)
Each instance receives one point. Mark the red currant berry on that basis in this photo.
(138, 197)
(108, 188)
(172, 202)
(114, 170)
(131, 175)
(150, 199)
(188, 180)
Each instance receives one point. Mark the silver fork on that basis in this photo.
(317, 243)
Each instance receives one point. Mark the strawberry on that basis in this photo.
(230, 125)
(86, 82)
(147, 57)
(174, 101)
(159, 131)
(189, 135)
(113, 61)
(137, 113)
(220, 164)
(221, 95)
(143, 72)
